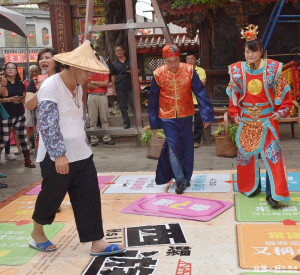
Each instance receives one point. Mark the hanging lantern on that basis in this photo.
(97, 37)
(30, 35)
(13, 34)
(149, 31)
(47, 36)
(141, 31)
(92, 35)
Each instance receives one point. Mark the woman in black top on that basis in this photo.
(13, 104)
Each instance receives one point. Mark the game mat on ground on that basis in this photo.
(102, 181)
(293, 181)
(265, 273)
(22, 209)
(174, 206)
(14, 237)
(135, 184)
(210, 245)
(273, 246)
(206, 183)
(256, 209)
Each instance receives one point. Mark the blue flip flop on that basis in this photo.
(112, 249)
(2, 175)
(41, 246)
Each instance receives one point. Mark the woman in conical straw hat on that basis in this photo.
(65, 158)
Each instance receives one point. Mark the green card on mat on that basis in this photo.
(256, 209)
(14, 249)
(265, 273)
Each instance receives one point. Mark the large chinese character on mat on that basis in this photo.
(275, 246)
(131, 262)
(154, 235)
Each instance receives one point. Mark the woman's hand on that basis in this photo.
(38, 86)
(62, 165)
(238, 121)
(275, 117)
(3, 81)
(206, 124)
(15, 99)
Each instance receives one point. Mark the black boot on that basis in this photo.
(180, 188)
(257, 191)
(28, 162)
(3, 185)
(272, 203)
(32, 141)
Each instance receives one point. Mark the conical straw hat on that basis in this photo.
(82, 57)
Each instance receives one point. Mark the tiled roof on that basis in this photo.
(155, 42)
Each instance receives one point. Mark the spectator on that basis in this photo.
(3, 113)
(98, 104)
(198, 124)
(49, 67)
(13, 104)
(8, 156)
(121, 82)
(34, 71)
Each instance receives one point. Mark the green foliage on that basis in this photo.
(145, 137)
(232, 132)
(209, 3)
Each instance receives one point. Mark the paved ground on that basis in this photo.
(125, 156)
(213, 243)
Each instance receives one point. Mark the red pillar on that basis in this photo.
(61, 25)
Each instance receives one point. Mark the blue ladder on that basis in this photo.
(277, 17)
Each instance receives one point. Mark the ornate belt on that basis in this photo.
(252, 131)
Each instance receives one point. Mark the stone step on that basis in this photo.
(113, 132)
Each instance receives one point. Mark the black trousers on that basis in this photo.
(198, 127)
(123, 98)
(82, 185)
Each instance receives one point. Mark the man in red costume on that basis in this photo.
(171, 107)
(259, 97)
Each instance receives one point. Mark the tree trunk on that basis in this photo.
(114, 13)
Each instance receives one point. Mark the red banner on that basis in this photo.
(20, 57)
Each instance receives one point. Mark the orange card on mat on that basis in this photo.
(21, 209)
(275, 246)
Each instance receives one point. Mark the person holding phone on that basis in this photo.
(13, 103)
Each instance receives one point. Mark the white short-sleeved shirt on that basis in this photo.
(70, 119)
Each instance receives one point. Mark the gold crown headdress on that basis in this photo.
(250, 33)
